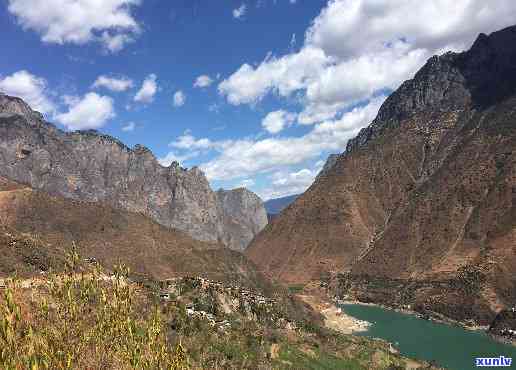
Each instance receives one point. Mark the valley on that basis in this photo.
(382, 138)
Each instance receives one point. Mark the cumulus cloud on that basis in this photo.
(348, 28)
(148, 90)
(355, 48)
(187, 141)
(282, 75)
(286, 183)
(203, 81)
(30, 88)
(179, 98)
(113, 83)
(129, 127)
(247, 157)
(79, 21)
(275, 122)
(239, 12)
(89, 112)
(174, 157)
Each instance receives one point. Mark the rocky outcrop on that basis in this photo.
(328, 165)
(424, 197)
(244, 216)
(90, 166)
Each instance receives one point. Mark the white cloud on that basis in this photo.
(115, 42)
(129, 127)
(247, 183)
(276, 121)
(247, 157)
(189, 142)
(282, 75)
(348, 28)
(203, 81)
(90, 112)
(30, 88)
(356, 48)
(179, 98)
(148, 90)
(173, 157)
(286, 183)
(239, 12)
(113, 83)
(79, 21)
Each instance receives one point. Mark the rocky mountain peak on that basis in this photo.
(14, 105)
(479, 77)
(90, 166)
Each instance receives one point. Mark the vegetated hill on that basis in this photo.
(87, 318)
(87, 165)
(420, 209)
(36, 231)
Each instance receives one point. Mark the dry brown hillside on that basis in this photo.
(421, 208)
(36, 229)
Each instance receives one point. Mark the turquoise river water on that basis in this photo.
(451, 347)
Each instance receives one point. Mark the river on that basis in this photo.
(451, 347)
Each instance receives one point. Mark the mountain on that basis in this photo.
(89, 166)
(37, 230)
(275, 206)
(244, 216)
(420, 209)
(328, 165)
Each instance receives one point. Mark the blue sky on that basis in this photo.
(256, 93)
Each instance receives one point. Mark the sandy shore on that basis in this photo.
(334, 317)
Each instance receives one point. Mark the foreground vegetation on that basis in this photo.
(85, 319)
(80, 320)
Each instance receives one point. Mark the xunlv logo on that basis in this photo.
(493, 361)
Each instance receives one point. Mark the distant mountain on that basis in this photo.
(37, 229)
(275, 206)
(421, 208)
(90, 166)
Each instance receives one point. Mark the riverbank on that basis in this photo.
(433, 317)
(448, 346)
(430, 315)
(334, 317)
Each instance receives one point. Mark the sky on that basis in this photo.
(256, 93)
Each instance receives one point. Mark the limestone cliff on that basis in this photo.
(245, 216)
(90, 166)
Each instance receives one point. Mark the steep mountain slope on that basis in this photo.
(36, 230)
(245, 216)
(87, 165)
(420, 209)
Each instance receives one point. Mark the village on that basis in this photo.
(215, 302)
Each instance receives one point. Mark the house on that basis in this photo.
(165, 296)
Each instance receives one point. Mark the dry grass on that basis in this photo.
(83, 320)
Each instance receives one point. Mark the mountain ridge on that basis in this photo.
(91, 166)
(425, 194)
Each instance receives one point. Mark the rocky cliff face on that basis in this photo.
(328, 165)
(420, 209)
(244, 216)
(87, 165)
